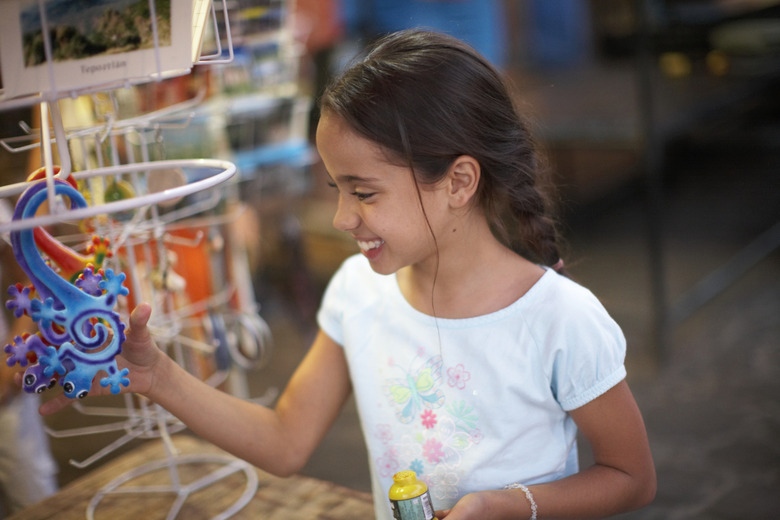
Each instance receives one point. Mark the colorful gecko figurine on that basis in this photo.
(33, 379)
(70, 263)
(77, 316)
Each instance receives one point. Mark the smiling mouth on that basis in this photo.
(368, 246)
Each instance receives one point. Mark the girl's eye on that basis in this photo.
(333, 185)
(362, 196)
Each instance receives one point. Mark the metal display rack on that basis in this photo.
(170, 207)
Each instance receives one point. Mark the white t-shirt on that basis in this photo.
(470, 404)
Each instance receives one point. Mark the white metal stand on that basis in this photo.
(140, 229)
(227, 466)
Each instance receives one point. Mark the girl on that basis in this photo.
(472, 362)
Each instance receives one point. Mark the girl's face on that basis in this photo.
(378, 201)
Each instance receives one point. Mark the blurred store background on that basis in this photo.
(660, 120)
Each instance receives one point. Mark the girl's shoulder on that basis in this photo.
(557, 304)
(567, 292)
(562, 292)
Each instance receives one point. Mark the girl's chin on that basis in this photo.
(378, 265)
(381, 270)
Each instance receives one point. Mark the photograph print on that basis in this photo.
(92, 42)
(84, 28)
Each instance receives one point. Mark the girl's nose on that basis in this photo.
(346, 218)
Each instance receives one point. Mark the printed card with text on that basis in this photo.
(92, 42)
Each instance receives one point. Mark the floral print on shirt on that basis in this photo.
(435, 428)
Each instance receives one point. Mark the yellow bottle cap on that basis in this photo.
(404, 478)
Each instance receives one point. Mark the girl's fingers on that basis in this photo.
(138, 333)
(54, 405)
(137, 336)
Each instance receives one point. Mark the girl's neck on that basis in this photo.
(471, 279)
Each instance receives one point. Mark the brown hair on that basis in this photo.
(428, 98)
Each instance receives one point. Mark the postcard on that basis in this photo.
(93, 42)
(200, 13)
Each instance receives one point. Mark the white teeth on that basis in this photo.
(366, 246)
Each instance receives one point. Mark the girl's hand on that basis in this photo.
(9, 387)
(467, 507)
(139, 354)
(487, 505)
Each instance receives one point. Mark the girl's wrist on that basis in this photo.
(163, 370)
(529, 498)
(508, 503)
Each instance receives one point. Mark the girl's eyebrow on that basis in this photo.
(350, 179)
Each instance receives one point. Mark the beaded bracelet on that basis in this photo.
(528, 495)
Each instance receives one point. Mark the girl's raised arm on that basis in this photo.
(278, 440)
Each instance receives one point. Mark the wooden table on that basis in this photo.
(294, 498)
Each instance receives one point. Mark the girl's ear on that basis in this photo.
(463, 177)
